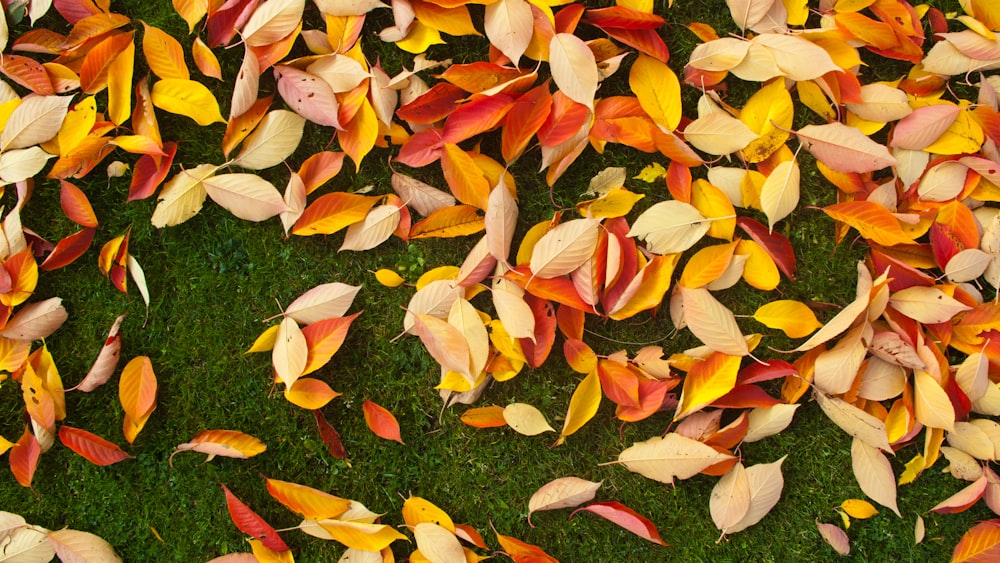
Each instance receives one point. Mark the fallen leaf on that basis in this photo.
(526, 419)
(381, 422)
(564, 492)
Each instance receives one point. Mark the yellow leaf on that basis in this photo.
(707, 381)
(191, 10)
(616, 203)
(420, 38)
(583, 405)
(310, 393)
(526, 419)
(707, 265)
(359, 134)
(914, 468)
(389, 278)
(768, 113)
(534, 234)
(361, 535)
(420, 511)
(227, 443)
(264, 342)
(188, 98)
(652, 173)
(760, 270)
(449, 222)
(658, 91)
(857, 508)
(76, 125)
(793, 318)
(120, 85)
(163, 53)
(205, 59)
(137, 393)
(964, 135)
(712, 202)
(647, 288)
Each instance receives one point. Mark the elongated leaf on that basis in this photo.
(766, 484)
(35, 120)
(308, 95)
(874, 474)
(658, 91)
(137, 392)
(844, 148)
(252, 524)
(227, 443)
(712, 322)
(275, 139)
(91, 447)
(565, 492)
(574, 69)
(674, 455)
(246, 196)
(509, 26)
(730, 499)
(564, 248)
(779, 195)
(307, 501)
(163, 53)
(188, 98)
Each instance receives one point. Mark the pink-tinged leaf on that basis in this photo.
(271, 21)
(981, 544)
(922, 127)
(565, 492)
(424, 198)
(36, 321)
(421, 148)
(227, 443)
(324, 301)
(835, 537)
(775, 244)
(224, 23)
(622, 17)
(766, 484)
(330, 436)
(27, 72)
(964, 499)
(91, 447)
(844, 148)
(444, 342)
(74, 546)
(307, 94)
(251, 524)
(574, 69)
(106, 362)
(381, 422)
(246, 196)
(509, 25)
(433, 105)
(626, 518)
(647, 41)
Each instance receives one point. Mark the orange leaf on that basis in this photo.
(449, 222)
(205, 59)
(76, 206)
(320, 168)
(707, 381)
(310, 393)
(242, 125)
(28, 73)
(91, 447)
(465, 178)
(163, 53)
(475, 117)
(251, 524)
(522, 552)
(381, 422)
(333, 212)
(94, 72)
(980, 544)
(309, 502)
(23, 458)
(227, 443)
(484, 417)
(525, 117)
(324, 338)
(137, 393)
(94, 25)
(873, 221)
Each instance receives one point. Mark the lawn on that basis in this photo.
(214, 280)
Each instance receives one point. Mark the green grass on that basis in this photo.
(214, 278)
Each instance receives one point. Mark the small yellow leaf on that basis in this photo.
(526, 419)
(794, 318)
(857, 508)
(616, 203)
(652, 173)
(768, 113)
(658, 91)
(389, 278)
(583, 405)
(188, 98)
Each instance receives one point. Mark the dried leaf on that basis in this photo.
(564, 492)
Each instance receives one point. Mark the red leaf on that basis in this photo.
(775, 244)
(330, 436)
(381, 422)
(622, 17)
(91, 447)
(758, 372)
(76, 206)
(75, 10)
(150, 171)
(475, 117)
(223, 24)
(433, 105)
(28, 73)
(646, 40)
(23, 458)
(524, 119)
(545, 331)
(653, 397)
(251, 524)
(68, 249)
(679, 181)
(745, 397)
(626, 518)
(421, 149)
